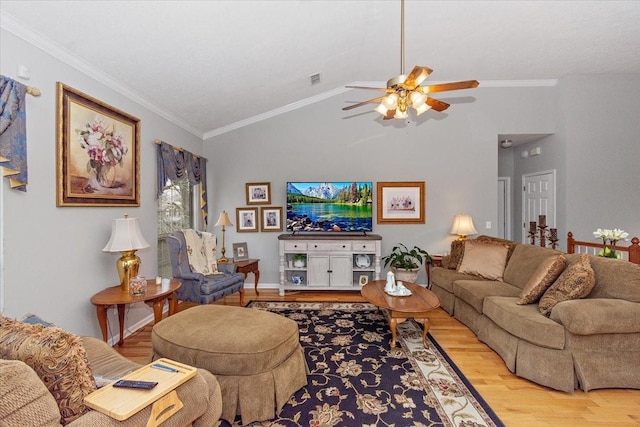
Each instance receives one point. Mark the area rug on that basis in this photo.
(357, 379)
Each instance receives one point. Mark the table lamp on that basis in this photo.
(463, 226)
(223, 220)
(126, 238)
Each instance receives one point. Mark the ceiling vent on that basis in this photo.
(315, 78)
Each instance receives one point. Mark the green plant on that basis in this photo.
(300, 257)
(402, 257)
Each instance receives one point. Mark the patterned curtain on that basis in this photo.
(13, 132)
(176, 164)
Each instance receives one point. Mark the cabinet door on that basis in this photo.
(318, 267)
(341, 270)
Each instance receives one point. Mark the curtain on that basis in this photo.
(13, 132)
(174, 164)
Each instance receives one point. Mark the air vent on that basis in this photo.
(315, 78)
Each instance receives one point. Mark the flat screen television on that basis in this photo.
(329, 206)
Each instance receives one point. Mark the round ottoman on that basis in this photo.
(255, 355)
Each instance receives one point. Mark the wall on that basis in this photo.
(53, 259)
(454, 152)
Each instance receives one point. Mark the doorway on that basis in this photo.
(504, 207)
(538, 198)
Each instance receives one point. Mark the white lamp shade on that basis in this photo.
(125, 236)
(463, 225)
(223, 220)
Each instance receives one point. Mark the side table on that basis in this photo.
(154, 296)
(250, 266)
(437, 262)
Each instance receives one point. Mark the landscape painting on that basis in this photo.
(329, 206)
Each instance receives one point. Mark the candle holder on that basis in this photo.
(540, 233)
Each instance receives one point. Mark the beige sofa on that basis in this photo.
(591, 342)
(49, 391)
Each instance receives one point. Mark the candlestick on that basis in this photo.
(532, 226)
(542, 219)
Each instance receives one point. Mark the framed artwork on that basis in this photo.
(97, 153)
(363, 279)
(401, 202)
(258, 193)
(240, 251)
(271, 218)
(246, 219)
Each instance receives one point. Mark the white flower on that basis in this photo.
(615, 234)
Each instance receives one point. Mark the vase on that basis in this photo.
(609, 250)
(105, 175)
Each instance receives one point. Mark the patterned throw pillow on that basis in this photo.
(58, 358)
(457, 250)
(486, 260)
(546, 273)
(575, 282)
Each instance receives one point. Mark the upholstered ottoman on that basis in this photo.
(255, 355)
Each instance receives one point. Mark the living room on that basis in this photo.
(52, 258)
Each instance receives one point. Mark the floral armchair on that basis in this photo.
(197, 287)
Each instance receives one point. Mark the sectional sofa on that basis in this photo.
(590, 335)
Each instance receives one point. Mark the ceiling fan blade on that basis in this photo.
(436, 104)
(416, 76)
(467, 84)
(383, 89)
(390, 115)
(360, 104)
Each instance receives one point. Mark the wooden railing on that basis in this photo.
(631, 253)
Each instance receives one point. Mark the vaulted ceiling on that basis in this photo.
(211, 66)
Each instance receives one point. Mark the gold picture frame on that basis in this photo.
(97, 153)
(401, 202)
(271, 218)
(246, 219)
(258, 193)
(363, 279)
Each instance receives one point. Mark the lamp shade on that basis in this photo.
(125, 236)
(223, 219)
(463, 225)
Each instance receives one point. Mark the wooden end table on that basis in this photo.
(437, 262)
(400, 308)
(250, 266)
(154, 296)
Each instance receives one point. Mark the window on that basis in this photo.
(176, 209)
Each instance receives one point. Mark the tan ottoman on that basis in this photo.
(255, 355)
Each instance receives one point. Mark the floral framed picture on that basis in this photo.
(271, 218)
(240, 251)
(401, 202)
(98, 152)
(258, 193)
(246, 219)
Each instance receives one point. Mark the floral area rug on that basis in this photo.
(357, 380)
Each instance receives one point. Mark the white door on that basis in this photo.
(504, 207)
(538, 198)
(341, 270)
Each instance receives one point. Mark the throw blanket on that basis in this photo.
(201, 251)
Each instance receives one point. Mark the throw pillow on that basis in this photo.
(58, 358)
(575, 282)
(546, 273)
(486, 260)
(455, 256)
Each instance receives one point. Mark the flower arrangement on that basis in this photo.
(105, 148)
(609, 240)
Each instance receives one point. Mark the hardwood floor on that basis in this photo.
(516, 401)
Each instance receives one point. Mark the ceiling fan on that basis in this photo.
(404, 91)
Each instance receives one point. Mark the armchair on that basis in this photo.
(197, 287)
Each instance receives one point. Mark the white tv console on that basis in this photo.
(333, 261)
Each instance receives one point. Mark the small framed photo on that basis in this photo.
(246, 219)
(258, 193)
(271, 219)
(401, 202)
(363, 279)
(240, 251)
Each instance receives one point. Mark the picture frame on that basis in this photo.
(271, 218)
(258, 193)
(246, 219)
(240, 251)
(401, 202)
(363, 279)
(97, 152)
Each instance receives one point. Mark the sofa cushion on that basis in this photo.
(444, 278)
(575, 282)
(24, 399)
(594, 316)
(524, 322)
(544, 276)
(482, 259)
(523, 263)
(58, 358)
(473, 292)
(614, 278)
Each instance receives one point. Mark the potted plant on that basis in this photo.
(406, 263)
(299, 260)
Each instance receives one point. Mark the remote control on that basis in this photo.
(145, 385)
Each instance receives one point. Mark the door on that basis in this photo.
(504, 207)
(318, 270)
(538, 198)
(341, 270)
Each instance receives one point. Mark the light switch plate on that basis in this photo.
(487, 225)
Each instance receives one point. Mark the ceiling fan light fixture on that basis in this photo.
(382, 109)
(417, 99)
(423, 108)
(401, 114)
(390, 101)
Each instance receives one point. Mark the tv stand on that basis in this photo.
(343, 262)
